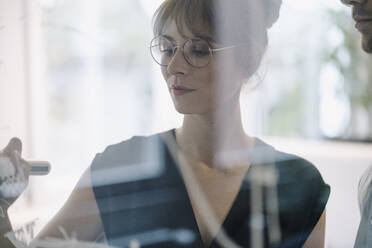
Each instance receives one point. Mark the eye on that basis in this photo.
(165, 46)
(166, 49)
(200, 52)
(198, 48)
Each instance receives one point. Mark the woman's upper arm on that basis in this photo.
(317, 236)
(79, 216)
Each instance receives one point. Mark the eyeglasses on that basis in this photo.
(196, 51)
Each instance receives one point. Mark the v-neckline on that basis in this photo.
(240, 204)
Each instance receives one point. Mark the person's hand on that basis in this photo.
(14, 173)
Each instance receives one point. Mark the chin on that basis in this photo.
(189, 109)
(367, 44)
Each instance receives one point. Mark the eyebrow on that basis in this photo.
(207, 38)
(211, 42)
(168, 37)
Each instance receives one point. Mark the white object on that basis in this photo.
(11, 185)
(39, 168)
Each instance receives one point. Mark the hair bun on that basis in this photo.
(271, 10)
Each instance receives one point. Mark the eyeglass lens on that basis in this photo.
(196, 51)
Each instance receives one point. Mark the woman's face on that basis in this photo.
(199, 90)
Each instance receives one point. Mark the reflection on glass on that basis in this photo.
(102, 88)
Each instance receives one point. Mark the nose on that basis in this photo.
(178, 64)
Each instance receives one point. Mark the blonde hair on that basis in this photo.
(229, 22)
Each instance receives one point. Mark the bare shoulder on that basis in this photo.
(79, 216)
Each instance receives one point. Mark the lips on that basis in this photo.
(362, 21)
(180, 90)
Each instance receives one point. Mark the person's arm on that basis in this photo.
(16, 177)
(317, 236)
(5, 226)
(79, 217)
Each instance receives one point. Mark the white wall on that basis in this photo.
(22, 89)
(13, 96)
(21, 82)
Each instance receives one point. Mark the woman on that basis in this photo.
(209, 183)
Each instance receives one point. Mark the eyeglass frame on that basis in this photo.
(211, 50)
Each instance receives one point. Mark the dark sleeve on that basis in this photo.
(109, 172)
(303, 197)
(317, 202)
(123, 153)
(126, 163)
(114, 164)
(315, 196)
(108, 168)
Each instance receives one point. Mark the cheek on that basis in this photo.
(164, 72)
(226, 76)
(209, 76)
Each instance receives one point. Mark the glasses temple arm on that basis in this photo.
(223, 48)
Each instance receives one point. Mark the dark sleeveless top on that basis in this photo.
(142, 198)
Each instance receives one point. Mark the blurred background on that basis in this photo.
(76, 76)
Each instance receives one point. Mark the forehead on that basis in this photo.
(171, 29)
(179, 33)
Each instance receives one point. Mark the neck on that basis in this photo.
(209, 137)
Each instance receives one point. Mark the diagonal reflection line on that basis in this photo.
(210, 219)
